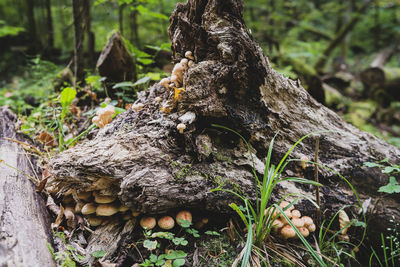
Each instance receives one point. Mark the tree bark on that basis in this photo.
(142, 158)
(77, 11)
(90, 35)
(34, 45)
(24, 221)
(50, 29)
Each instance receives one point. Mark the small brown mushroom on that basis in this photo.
(89, 208)
(79, 206)
(189, 55)
(123, 208)
(102, 199)
(137, 107)
(165, 82)
(307, 221)
(311, 228)
(288, 214)
(181, 127)
(277, 224)
(288, 232)
(94, 221)
(184, 63)
(106, 209)
(271, 212)
(304, 231)
(200, 224)
(148, 223)
(166, 222)
(284, 204)
(296, 214)
(183, 215)
(135, 213)
(191, 63)
(126, 216)
(298, 222)
(303, 162)
(84, 195)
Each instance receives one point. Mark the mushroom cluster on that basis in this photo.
(175, 81)
(167, 222)
(97, 206)
(104, 116)
(281, 226)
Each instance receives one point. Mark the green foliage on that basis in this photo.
(9, 30)
(390, 169)
(67, 258)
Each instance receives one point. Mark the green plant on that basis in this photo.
(69, 256)
(391, 170)
(66, 98)
(262, 221)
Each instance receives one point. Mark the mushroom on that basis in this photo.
(296, 214)
(148, 223)
(189, 55)
(84, 195)
(178, 71)
(79, 206)
(191, 63)
(288, 232)
(165, 82)
(106, 209)
(89, 208)
(135, 213)
(284, 204)
(184, 63)
(94, 220)
(126, 216)
(307, 221)
(303, 162)
(102, 199)
(288, 214)
(298, 222)
(166, 223)
(174, 80)
(181, 127)
(277, 224)
(304, 231)
(271, 212)
(137, 107)
(311, 228)
(200, 224)
(104, 116)
(123, 208)
(183, 215)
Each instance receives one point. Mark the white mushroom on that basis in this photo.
(181, 127)
(189, 55)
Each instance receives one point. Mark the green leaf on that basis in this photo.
(212, 233)
(372, 164)
(150, 245)
(390, 169)
(175, 254)
(99, 254)
(184, 223)
(142, 81)
(123, 84)
(67, 96)
(178, 262)
(392, 187)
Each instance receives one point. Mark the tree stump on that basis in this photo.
(143, 159)
(24, 221)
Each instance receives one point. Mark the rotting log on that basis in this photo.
(142, 158)
(24, 221)
(115, 61)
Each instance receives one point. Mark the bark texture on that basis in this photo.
(24, 220)
(154, 169)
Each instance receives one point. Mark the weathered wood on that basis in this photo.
(24, 220)
(115, 61)
(153, 168)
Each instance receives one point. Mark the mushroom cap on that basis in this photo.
(277, 224)
(304, 231)
(135, 213)
(102, 199)
(137, 107)
(123, 208)
(181, 127)
(166, 222)
(284, 204)
(106, 209)
(184, 62)
(303, 162)
(127, 216)
(298, 222)
(307, 221)
(148, 223)
(311, 228)
(165, 82)
(189, 55)
(174, 78)
(288, 214)
(288, 232)
(183, 215)
(296, 214)
(84, 195)
(271, 212)
(89, 208)
(191, 63)
(178, 69)
(94, 220)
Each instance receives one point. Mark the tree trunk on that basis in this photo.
(25, 222)
(77, 11)
(121, 18)
(142, 158)
(34, 45)
(134, 29)
(50, 29)
(90, 35)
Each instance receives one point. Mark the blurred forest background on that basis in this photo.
(345, 53)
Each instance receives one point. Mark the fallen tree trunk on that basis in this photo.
(24, 222)
(143, 159)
